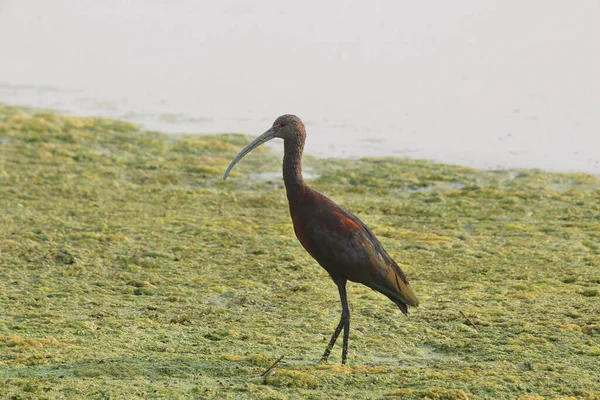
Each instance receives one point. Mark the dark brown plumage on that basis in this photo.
(339, 241)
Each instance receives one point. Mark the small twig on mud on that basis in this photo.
(469, 320)
(272, 366)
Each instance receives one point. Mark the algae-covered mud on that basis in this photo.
(128, 269)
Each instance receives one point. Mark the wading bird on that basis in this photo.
(339, 241)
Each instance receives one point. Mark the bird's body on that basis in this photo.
(339, 241)
(344, 246)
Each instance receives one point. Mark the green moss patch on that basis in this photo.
(129, 269)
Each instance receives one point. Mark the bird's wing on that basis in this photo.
(345, 247)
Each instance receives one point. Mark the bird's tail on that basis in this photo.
(404, 291)
(403, 307)
(404, 297)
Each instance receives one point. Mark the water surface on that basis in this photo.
(477, 83)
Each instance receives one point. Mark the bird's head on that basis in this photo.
(286, 127)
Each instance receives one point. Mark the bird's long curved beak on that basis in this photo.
(265, 137)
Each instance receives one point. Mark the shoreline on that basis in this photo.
(333, 141)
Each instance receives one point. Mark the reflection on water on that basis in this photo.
(478, 83)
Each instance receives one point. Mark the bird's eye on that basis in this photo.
(281, 125)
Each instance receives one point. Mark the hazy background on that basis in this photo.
(481, 83)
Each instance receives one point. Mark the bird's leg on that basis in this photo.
(334, 337)
(344, 323)
(346, 329)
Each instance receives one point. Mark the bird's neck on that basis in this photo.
(292, 165)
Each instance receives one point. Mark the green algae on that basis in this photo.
(128, 268)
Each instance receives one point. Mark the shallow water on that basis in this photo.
(475, 83)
